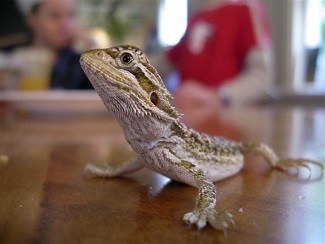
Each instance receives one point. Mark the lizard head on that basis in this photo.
(124, 73)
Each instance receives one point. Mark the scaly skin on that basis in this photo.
(132, 89)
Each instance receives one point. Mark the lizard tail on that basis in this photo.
(261, 149)
(289, 165)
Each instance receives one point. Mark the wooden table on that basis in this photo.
(45, 198)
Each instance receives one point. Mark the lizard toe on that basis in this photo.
(219, 221)
(190, 218)
(94, 170)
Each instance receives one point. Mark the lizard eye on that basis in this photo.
(126, 58)
(154, 98)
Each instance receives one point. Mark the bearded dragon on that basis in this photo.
(134, 92)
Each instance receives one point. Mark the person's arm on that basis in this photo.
(257, 74)
(252, 83)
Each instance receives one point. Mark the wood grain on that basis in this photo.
(46, 198)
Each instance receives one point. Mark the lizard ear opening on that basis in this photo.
(154, 98)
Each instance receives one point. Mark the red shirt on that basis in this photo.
(215, 44)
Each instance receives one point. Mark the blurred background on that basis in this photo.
(297, 31)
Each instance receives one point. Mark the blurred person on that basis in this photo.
(50, 55)
(224, 55)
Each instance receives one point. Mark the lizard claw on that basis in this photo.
(219, 221)
(294, 166)
(98, 171)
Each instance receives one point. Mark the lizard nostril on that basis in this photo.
(99, 54)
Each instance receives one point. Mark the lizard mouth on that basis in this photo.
(108, 79)
(107, 73)
(105, 76)
(113, 75)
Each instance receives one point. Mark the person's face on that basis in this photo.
(53, 23)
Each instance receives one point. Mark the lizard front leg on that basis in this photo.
(108, 171)
(204, 210)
